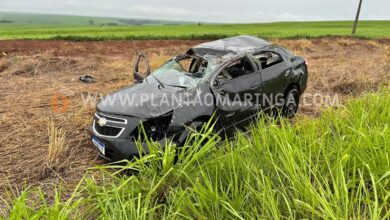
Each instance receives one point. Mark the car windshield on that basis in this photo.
(185, 72)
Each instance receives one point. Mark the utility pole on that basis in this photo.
(357, 17)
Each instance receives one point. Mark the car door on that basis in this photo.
(235, 87)
(274, 70)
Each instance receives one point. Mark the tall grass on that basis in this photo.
(333, 167)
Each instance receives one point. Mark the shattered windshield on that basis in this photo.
(185, 72)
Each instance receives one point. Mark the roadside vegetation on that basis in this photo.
(366, 29)
(57, 148)
(335, 166)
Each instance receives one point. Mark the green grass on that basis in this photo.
(366, 29)
(333, 167)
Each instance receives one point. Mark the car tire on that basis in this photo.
(291, 103)
(195, 125)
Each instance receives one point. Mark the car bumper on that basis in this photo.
(117, 149)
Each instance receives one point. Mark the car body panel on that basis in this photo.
(274, 80)
(132, 100)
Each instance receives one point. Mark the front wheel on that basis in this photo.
(291, 103)
(193, 126)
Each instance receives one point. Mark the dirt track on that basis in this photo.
(32, 72)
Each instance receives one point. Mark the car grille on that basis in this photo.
(107, 130)
(111, 118)
(155, 128)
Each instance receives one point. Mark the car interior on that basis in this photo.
(237, 69)
(268, 59)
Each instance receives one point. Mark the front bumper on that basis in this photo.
(121, 149)
(122, 144)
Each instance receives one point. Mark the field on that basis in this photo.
(290, 30)
(324, 164)
(21, 20)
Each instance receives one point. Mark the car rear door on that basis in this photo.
(274, 72)
(235, 88)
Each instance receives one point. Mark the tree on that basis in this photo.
(357, 18)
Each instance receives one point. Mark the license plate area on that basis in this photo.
(100, 145)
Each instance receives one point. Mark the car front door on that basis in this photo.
(235, 88)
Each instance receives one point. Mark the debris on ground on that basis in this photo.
(87, 79)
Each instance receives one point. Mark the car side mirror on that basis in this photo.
(138, 77)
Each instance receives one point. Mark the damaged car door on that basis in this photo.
(273, 69)
(141, 69)
(235, 88)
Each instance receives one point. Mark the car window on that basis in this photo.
(235, 70)
(268, 59)
(192, 65)
(183, 72)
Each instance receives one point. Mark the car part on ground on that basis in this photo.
(86, 79)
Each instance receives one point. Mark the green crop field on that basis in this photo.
(333, 167)
(366, 29)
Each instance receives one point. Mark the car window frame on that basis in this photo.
(254, 66)
(258, 64)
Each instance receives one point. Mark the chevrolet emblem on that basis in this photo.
(102, 122)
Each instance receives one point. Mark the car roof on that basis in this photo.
(232, 45)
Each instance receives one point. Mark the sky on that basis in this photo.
(225, 11)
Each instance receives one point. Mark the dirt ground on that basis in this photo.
(36, 74)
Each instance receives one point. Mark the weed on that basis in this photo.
(57, 148)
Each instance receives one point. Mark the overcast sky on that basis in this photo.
(240, 11)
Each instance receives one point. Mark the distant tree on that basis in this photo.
(199, 24)
(6, 21)
(112, 24)
(91, 22)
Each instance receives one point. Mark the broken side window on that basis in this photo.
(237, 69)
(268, 59)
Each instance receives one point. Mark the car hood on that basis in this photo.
(143, 100)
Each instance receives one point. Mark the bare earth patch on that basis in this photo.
(33, 74)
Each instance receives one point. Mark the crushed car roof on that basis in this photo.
(232, 45)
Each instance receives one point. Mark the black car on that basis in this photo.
(230, 80)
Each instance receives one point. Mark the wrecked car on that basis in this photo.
(230, 80)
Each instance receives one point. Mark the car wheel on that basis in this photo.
(291, 103)
(195, 125)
